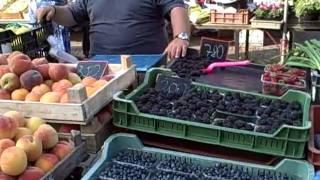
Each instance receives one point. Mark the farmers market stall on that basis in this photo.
(203, 116)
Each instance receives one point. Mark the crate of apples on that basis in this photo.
(29, 148)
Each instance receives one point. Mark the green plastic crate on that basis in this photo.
(300, 170)
(287, 141)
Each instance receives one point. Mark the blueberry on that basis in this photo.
(123, 172)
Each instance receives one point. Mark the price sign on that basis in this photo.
(95, 69)
(171, 84)
(214, 49)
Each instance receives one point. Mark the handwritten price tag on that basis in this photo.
(171, 84)
(94, 69)
(214, 49)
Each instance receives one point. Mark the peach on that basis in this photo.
(90, 91)
(48, 82)
(41, 89)
(39, 61)
(32, 173)
(34, 123)
(33, 97)
(61, 86)
(31, 145)
(100, 83)
(88, 81)
(58, 72)
(4, 94)
(62, 149)
(48, 135)
(51, 97)
(8, 127)
(74, 78)
(3, 59)
(43, 69)
(4, 69)
(66, 128)
(19, 64)
(46, 162)
(30, 79)
(6, 177)
(64, 98)
(10, 82)
(13, 161)
(17, 116)
(22, 131)
(6, 143)
(19, 94)
(14, 53)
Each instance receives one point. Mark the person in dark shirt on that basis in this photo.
(127, 26)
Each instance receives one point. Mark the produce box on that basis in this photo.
(284, 140)
(241, 17)
(33, 43)
(266, 24)
(313, 151)
(127, 152)
(54, 93)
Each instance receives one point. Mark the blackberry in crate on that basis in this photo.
(179, 165)
(163, 175)
(189, 68)
(226, 171)
(237, 104)
(136, 157)
(123, 172)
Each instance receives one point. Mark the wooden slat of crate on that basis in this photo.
(95, 140)
(266, 24)
(74, 113)
(18, 15)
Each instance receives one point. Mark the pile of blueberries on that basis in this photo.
(193, 105)
(177, 168)
(189, 67)
(244, 112)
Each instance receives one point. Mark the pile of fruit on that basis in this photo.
(189, 68)
(29, 148)
(277, 79)
(133, 164)
(231, 110)
(23, 79)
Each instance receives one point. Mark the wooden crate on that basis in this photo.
(266, 24)
(71, 161)
(84, 109)
(241, 17)
(95, 133)
(11, 16)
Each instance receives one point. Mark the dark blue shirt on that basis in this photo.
(125, 26)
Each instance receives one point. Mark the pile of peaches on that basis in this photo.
(29, 148)
(23, 79)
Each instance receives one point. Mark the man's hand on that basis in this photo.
(46, 13)
(177, 48)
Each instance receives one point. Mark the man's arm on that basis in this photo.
(60, 14)
(180, 24)
(179, 21)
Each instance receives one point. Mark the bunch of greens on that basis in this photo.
(306, 55)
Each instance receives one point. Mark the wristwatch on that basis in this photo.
(183, 36)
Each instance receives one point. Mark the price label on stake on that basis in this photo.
(171, 84)
(214, 49)
(94, 69)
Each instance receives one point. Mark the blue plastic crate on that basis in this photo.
(142, 62)
(299, 170)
